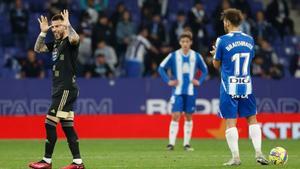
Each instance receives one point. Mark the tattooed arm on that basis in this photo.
(40, 45)
(72, 35)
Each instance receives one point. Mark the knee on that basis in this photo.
(69, 131)
(230, 123)
(51, 131)
(252, 120)
(188, 117)
(176, 117)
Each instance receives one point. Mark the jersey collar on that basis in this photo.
(235, 32)
(188, 54)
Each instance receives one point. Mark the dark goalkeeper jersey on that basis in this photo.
(64, 57)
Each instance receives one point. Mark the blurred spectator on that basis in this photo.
(261, 28)
(12, 66)
(31, 67)
(102, 31)
(197, 20)
(257, 67)
(295, 5)
(295, 66)
(90, 8)
(271, 65)
(218, 24)
(146, 13)
(86, 24)
(124, 32)
(242, 5)
(157, 37)
(277, 13)
(177, 29)
(108, 52)
(117, 15)
(154, 6)
(152, 72)
(5, 4)
(99, 69)
(136, 52)
(245, 26)
(84, 52)
(157, 34)
(56, 6)
(19, 17)
(98, 5)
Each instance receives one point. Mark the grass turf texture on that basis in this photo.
(143, 154)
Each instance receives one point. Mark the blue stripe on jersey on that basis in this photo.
(185, 76)
(183, 69)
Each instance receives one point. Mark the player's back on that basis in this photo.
(235, 50)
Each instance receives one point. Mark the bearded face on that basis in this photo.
(58, 29)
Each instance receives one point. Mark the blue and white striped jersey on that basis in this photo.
(235, 50)
(137, 49)
(183, 68)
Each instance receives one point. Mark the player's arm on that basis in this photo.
(72, 35)
(203, 67)
(40, 45)
(217, 54)
(162, 70)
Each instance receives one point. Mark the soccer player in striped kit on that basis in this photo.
(183, 64)
(233, 53)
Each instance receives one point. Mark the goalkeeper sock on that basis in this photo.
(72, 138)
(232, 138)
(173, 130)
(51, 138)
(188, 128)
(255, 135)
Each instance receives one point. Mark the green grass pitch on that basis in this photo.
(143, 154)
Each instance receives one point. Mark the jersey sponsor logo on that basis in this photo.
(239, 80)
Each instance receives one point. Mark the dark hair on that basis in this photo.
(196, 2)
(234, 16)
(57, 17)
(100, 55)
(143, 28)
(186, 34)
(181, 13)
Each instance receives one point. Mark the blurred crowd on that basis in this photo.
(114, 34)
